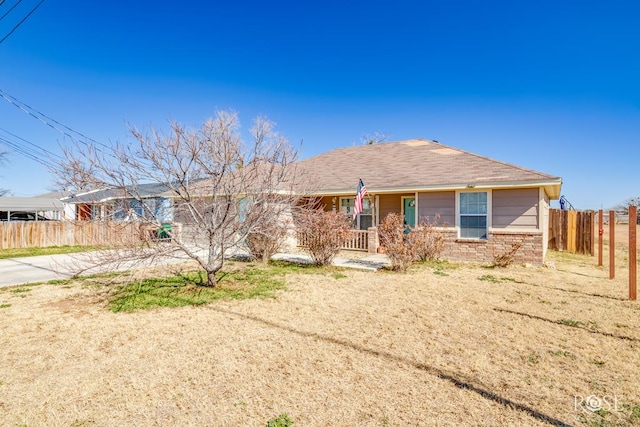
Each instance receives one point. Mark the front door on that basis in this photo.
(409, 210)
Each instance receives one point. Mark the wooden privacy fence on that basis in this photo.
(31, 234)
(572, 231)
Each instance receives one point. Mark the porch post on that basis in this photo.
(373, 240)
(373, 210)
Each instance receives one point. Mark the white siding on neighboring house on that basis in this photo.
(439, 203)
(517, 208)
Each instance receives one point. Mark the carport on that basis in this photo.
(48, 208)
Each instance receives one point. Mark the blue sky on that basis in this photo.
(551, 86)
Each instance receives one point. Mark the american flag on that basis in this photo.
(359, 204)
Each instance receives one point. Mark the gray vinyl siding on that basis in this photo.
(516, 208)
(434, 204)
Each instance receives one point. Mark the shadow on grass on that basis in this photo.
(572, 291)
(452, 378)
(591, 276)
(570, 324)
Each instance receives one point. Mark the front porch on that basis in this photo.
(358, 240)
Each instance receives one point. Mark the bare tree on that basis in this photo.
(374, 138)
(220, 189)
(632, 201)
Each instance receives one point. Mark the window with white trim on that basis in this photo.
(365, 219)
(473, 215)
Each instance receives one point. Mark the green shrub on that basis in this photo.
(281, 420)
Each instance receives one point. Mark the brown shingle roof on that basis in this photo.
(413, 165)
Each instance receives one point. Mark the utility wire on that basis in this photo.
(20, 23)
(10, 9)
(30, 153)
(27, 150)
(44, 150)
(41, 117)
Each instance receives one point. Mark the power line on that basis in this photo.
(48, 121)
(44, 150)
(20, 23)
(28, 152)
(10, 9)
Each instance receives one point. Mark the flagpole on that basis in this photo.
(373, 210)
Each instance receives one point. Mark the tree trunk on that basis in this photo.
(211, 279)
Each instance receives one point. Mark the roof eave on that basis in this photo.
(551, 187)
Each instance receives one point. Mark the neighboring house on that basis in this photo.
(117, 204)
(31, 209)
(482, 205)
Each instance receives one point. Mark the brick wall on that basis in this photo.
(498, 243)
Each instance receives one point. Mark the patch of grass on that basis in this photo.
(591, 325)
(186, 289)
(597, 361)
(562, 353)
(570, 322)
(489, 278)
(282, 420)
(338, 275)
(5, 305)
(52, 250)
(621, 325)
(634, 410)
(494, 279)
(87, 281)
(533, 358)
(284, 267)
(81, 423)
(20, 288)
(441, 264)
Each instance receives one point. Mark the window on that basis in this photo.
(473, 215)
(365, 219)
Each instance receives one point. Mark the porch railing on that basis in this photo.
(357, 240)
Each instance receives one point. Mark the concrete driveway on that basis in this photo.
(18, 271)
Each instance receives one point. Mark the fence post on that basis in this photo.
(633, 213)
(612, 244)
(592, 222)
(600, 233)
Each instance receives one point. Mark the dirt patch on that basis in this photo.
(436, 346)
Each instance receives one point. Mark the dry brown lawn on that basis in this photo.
(453, 346)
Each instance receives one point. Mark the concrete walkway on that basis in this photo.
(362, 262)
(18, 271)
